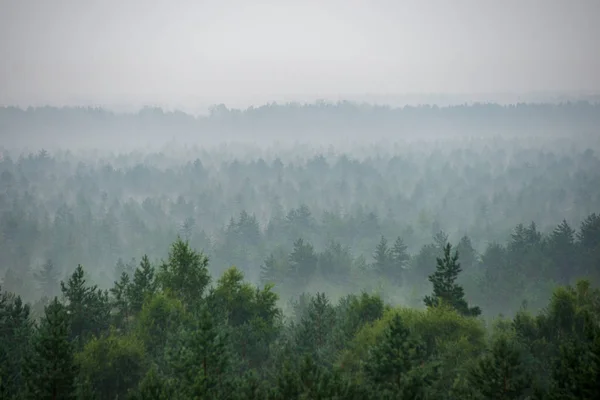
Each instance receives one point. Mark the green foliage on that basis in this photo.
(112, 364)
(87, 306)
(16, 330)
(185, 274)
(445, 288)
(169, 340)
(142, 286)
(501, 373)
(51, 370)
(160, 316)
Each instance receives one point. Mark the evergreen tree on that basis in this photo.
(400, 259)
(562, 250)
(88, 307)
(445, 288)
(382, 257)
(501, 374)
(185, 274)
(314, 335)
(120, 300)
(51, 372)
(48, 279)
(303, 261)
(468, 255)
(201, 358)
(16, 329)
(396, 365)
(142, 286)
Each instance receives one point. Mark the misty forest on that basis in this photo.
(320, 251)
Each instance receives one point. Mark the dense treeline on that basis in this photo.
(311, 221)
(167, 331)
(48, 126)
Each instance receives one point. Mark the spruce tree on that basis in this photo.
(51, 373)
(445, 288)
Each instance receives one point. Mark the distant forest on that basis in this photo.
(463, 267)
(342, 121)
(518, 215)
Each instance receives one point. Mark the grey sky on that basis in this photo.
(181, 51)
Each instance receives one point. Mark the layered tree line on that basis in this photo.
(523, 217)
(458, 269)
(169, 331)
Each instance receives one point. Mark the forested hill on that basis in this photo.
(50, 127)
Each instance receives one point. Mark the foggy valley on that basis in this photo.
(192, 230)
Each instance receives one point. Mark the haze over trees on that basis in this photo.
(461, 265)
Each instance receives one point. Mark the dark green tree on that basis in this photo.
(120, 301)
(51, 372)
(445, 288)
(88, 307)
(501, 374)
(16, 330)
(397, 363)
(142, 286)
(185, 274)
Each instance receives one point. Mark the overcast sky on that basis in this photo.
(243, 52)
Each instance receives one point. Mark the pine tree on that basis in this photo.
(382, 257)
(185, 274)
(201, 358)
(120, 300)
(562, 250)
(400, 259)
(468, 255)
(303, 261)
(395, 363)
(88, 307)
(445, 288)
(314, 334)
(16, 330)
(143, 285)
(52, 372)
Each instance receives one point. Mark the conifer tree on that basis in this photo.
(382, 257)
(120, 300)
(395, 364)
(303, 261)
(143, 285)
(445, 288)
(399, 258)
(51, 371)
(88, 307)
(185, 273)
(48, 279)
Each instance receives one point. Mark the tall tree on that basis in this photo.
(185, 274)
(142, 286)
(445, 288)
(88, 307)
(52, 372)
